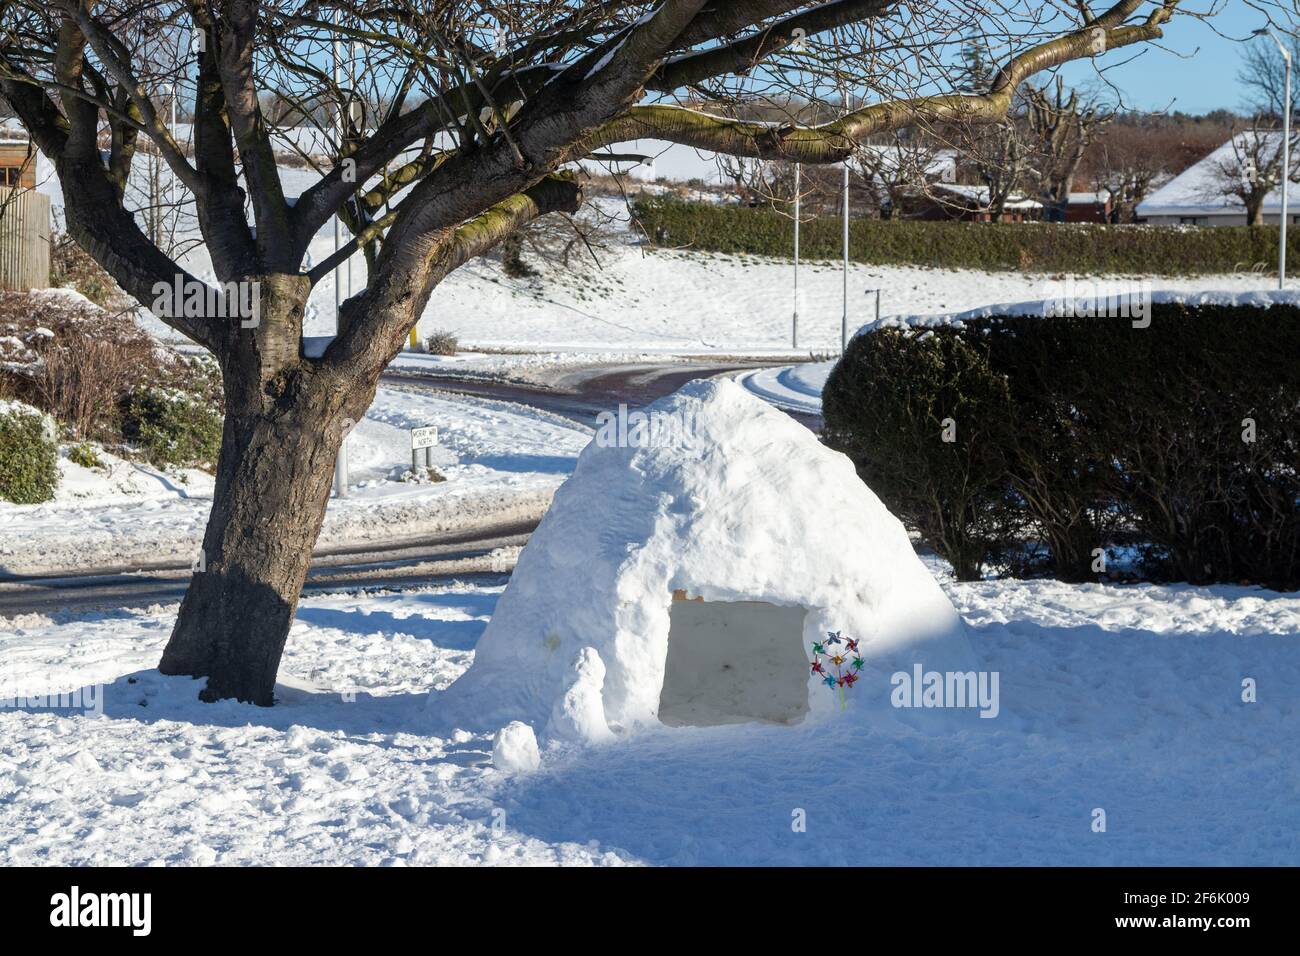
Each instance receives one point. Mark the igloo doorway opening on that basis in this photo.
(733, 662)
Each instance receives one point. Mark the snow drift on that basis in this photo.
(768, 539)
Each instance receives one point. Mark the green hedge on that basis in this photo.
(1029, 247)
(172, 427)
(29, 470)
(1178, 443)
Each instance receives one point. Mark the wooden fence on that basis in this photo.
(24, 240)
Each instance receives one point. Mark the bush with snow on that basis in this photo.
(29, 469)
(172, 427)
(1023, 443)
(64, 354)
(441, 342)
(84, 454)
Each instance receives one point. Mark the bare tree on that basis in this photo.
(1263, 75)
(1249, 169)
(996, 154)
(457, 126)
(1061, 129)
(1001, 158)
(1125, 164)
(897, 171)
(1136, 152)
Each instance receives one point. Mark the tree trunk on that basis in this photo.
(282, 431)
(1255, 210)
(273, 481)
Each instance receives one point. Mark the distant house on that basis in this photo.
(967, 203)
(17, 164)
(1193, 197)
(1088, 207)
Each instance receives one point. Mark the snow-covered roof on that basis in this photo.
(1085, 198)
(1193, 191)
(980, 194)
(668, 162)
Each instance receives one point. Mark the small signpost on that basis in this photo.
(422, 439)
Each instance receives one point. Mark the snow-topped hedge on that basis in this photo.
(1020, 444)
(29, 470)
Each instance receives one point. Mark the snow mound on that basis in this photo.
(514, 749)
(730, 527)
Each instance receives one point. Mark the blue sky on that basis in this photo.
(1195, 72)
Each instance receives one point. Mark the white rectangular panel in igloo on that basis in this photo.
(732, 662)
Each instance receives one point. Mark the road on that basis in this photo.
(424, 563)
(579, 394)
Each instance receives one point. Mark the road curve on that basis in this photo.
(581, 394)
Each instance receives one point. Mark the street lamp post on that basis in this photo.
(844, 316)
(1286, 152)
(794, 324)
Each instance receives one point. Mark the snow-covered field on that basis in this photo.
(1123, 698)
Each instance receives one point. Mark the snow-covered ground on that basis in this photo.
(1126, 698)
(502, 463)
(690, 303)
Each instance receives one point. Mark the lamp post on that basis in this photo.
(1286, 150)
(844, 315)
(794, 324)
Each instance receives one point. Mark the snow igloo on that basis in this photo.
(683, 573)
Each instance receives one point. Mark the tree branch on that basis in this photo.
(237, 29)
(740, 56)
(391, 306)
(834, 142)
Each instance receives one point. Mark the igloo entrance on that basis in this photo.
(733, 661)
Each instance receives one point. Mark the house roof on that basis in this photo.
(980, 194)
(1192, 192)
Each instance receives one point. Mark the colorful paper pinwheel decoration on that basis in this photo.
(842, 654)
